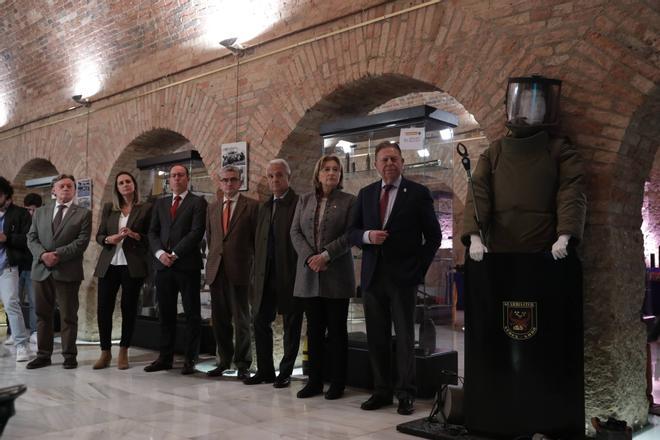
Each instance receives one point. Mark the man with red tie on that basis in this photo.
(231, 222)
(395, 225)
(175, 232)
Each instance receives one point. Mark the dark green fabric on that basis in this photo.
(528, 191)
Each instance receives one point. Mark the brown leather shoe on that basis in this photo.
(122, 359)
(103, 361)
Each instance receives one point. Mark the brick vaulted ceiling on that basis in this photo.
(53, 49)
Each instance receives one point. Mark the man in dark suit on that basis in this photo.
(175, 232)
(274, 278)
(394, 223)
(58, 238)
(230, 226)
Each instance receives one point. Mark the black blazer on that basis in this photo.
(136, 252)
(414, 233)
(182, 235)
(16, 226)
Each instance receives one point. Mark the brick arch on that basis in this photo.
(302, 147)
(34, 168)
(63, 146)
(613, 239)
(151, 143)
(187, 111)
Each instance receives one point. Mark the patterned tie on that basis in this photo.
(58, 217)
(384, 201)
(226, 214)
(175, 206)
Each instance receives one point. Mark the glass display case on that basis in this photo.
(427, 160)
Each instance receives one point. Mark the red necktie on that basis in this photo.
(226, 213)
(384, 200)
(174, 206)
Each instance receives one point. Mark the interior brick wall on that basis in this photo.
(606, 52)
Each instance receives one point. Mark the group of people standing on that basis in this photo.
(289, 255)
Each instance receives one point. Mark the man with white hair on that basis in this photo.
(274, 277)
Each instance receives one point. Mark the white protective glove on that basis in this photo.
(477, 248)
(559, 248)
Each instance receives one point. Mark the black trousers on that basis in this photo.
(115, 277)
(325, 314)
(384, 304)
(230, 312)
(169, 283)
(263, 334)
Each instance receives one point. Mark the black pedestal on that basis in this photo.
(524, 346)
(147, 335)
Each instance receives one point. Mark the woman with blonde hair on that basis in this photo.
(325, 277)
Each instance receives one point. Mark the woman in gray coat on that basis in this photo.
(325, 277)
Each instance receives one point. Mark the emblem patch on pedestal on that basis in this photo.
(519, 319)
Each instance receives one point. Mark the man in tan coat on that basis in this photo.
(230, 226)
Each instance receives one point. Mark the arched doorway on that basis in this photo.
(148, 158)
(34, 177)
(440, 171)
(651, 235)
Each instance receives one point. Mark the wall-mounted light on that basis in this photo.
(233, 45)
(82, 101)
(4, 115)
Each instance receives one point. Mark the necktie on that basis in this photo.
(384, 201)
(58, 217)
(226, 214)
(175, 206)
(273, 209)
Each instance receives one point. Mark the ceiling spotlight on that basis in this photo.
(234, 46)
(82, 101)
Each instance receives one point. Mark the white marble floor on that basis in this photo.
(131, 404)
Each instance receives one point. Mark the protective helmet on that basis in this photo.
(532, 102)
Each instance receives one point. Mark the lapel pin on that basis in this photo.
(405, 189)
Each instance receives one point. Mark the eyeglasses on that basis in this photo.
(230, 180)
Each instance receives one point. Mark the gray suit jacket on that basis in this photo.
(69, 241)
(338, 281)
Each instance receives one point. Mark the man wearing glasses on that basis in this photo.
(230, 227)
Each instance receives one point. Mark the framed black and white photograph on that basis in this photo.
(235, 154)
(84, 193)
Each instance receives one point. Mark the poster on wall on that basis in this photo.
(235, 154)
(84, 193)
